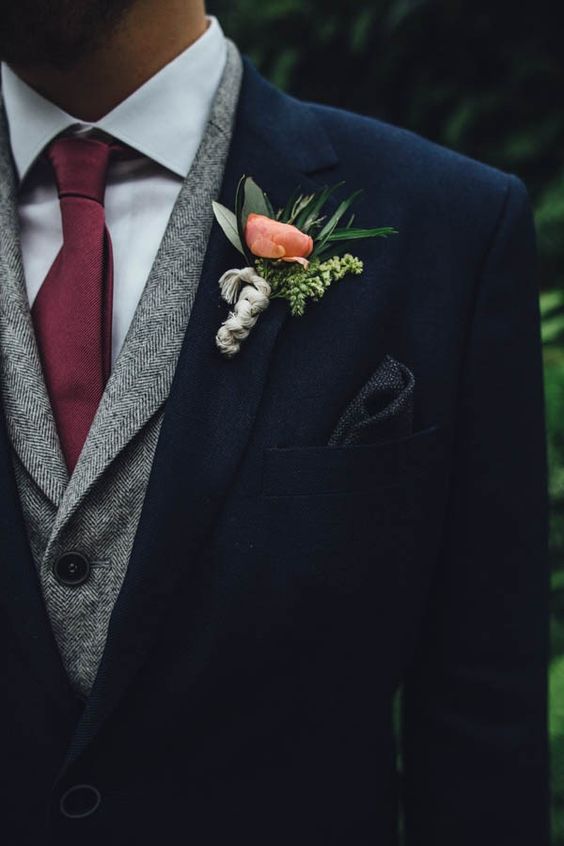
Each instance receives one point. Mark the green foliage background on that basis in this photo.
(485, 79)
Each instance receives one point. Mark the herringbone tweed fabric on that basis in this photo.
(97, 510)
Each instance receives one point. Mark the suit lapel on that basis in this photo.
(213, 400)
(29, 418)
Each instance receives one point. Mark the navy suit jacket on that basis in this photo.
(282, 591)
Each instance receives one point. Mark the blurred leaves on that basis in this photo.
(552, 313)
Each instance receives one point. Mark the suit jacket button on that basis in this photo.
(80, 801)
(71, 569)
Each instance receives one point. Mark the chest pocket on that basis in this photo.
(363, 469)
(356, 517)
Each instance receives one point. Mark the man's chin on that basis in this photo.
(56, 34)
(38, 60)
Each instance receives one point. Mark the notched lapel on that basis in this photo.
(213, 400)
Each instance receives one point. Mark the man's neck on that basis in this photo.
(147, 39)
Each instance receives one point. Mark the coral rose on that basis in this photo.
(272, 239)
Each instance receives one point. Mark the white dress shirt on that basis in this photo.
(164, 120)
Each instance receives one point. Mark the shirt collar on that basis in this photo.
(164, 119)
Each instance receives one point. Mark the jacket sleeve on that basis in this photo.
(474, 715)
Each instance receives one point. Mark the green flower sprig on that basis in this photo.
(300, 284)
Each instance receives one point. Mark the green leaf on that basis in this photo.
(305, 211)
(255, 201)
(303, 202)
(239, 203)
(285, 213)
(228, 222)
(239, 200)
(340, 237)
(355, 234)
(311, 214)
(250, 200)
(331, 224)
(271, 212)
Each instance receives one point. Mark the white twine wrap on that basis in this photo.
(249, 302)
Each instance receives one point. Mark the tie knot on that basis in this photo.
(81, 166)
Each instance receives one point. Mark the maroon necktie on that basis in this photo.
(72, 313)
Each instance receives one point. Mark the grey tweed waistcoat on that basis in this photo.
(96, 511)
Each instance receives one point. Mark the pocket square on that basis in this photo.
(382, 410)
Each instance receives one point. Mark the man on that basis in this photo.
(210, 596)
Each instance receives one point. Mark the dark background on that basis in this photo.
(484, 79)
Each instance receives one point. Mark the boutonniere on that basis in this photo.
(291, 253)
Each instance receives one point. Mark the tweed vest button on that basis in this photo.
(80, 801)
(72, 569)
